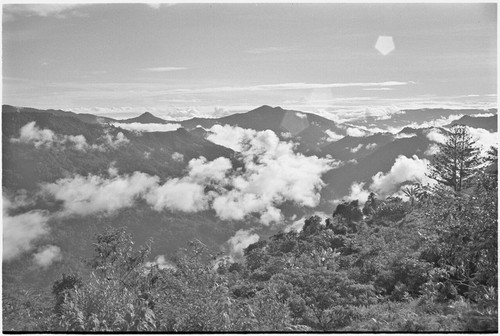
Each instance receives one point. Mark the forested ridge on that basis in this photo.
(427, 262)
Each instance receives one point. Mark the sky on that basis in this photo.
(183, 60)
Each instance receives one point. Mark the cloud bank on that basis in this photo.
(240, 241)
(20, 231)
(404, 171)
(139, 128)
(273, 173)
(84, 195)
(32, 134)
(46, 138)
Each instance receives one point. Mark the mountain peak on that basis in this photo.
(268, 107)
(146, 118)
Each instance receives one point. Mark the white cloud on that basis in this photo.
(78, 141)
(356, 149)
(84, 195)
(440, 122)
(164, 69)
(114, 141)
(332, 136)
(213, 171)
(371, 146)
(355, 132)
(285, 86)
(301, 115)
(240, 241)
(358, 192)
(47, 255)
(178, 157)
(434, 134)
(30, 133)
(229, 137)
(273, 173)
(383, 112)
(178, 194)
(298, 225)
(161, 262)
(483, 115)
(433, 149)
(270, 50)
(20, 231)
(58, 10)
(139, 128)
(403, 170)
(484, 138)
(404, 135)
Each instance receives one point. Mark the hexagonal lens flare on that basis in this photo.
(385, 45)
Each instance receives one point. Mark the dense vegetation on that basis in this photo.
(425, 264)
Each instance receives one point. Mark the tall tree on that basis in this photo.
(457, 159)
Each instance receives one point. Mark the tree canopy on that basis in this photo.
(457, 160)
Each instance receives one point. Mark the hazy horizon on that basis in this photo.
(185, 60)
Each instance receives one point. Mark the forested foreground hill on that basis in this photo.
(425, 264)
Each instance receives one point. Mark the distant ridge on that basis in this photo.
(286, 124)
(85, 117)
(146, 118)
(487, 123)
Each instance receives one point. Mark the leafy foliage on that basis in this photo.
(425, 264)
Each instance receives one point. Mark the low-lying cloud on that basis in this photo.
(46, 138)
(332, 136)
(240, 241)
(484, 139)
(21, 230)
(273, 173)
(140, 128)
(436, 135)
(355, 132)
(404, 171)
(178, 157)
(32, 134)
(47, 255)
(84, 195)
(404, 135)
(356, 149)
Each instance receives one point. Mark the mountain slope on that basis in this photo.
(84, 117)
(487, 123)
(24, 165)
(381, 160)
(308, 129)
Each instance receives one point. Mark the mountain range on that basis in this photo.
(43, 149)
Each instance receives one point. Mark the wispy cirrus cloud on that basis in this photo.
(291, 86)
(44, 10)
(158, 5)
(164, 69)
(269, 50)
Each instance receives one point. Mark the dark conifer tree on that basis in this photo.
(457, 159)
